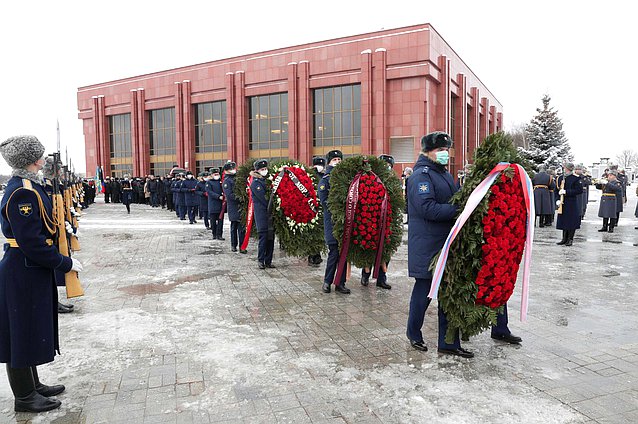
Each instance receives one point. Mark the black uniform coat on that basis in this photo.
(127, 192)
(200, 189)
(543, 183)
(187, 189)
(431, 216)
(232, 205)
(214, 190)
(260, 202)
(323, 192)
(570, 218)
(612, 192)
(175, 185)
(28, 294)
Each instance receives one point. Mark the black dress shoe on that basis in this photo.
(35, 402)
(66, 305)
(419, 345)
(602, 230)
(270, 266)
(560, 243)
(569, 242)
(457, 352)
(611, 230)
(341, 288)
(508, 338)
(326, 288)
(63, 310)
(262, 266)
(365, 278)
(221, 238)
(234, 249)
(48, 391)
(243, 251)
(384, 285)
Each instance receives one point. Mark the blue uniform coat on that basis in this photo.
(570, 218)
(543, 184)
(127, 193)
(612, 194)
(260, 202)
(179, 196)
(188, 190)
(232, 205)
(323, 192)
(214, 190)
(28, 294)
(430, 216)
(200, 190)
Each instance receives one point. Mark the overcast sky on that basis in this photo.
(580, 53)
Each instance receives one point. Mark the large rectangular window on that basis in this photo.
(160, 169)
(210, 127)
(161, 131)
(337, 117)
(121, 169)
(268, 123)
(205, 165)
(120, 135)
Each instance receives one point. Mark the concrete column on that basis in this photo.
(474, 122)
(443, 97)
(381, 142)
(134, 137)
(366, 102)
(461, 122)
(304, 129)
(231, 147)
(293, 112)
(179, 125)
(188, 125)
(241, 120)
(96, 132)
(144, 142)
(104, 136)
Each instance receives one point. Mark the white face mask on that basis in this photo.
(216, 177)
(319, 168)
(335, 162)
(189, 176)
(232, 171)
(263, 172)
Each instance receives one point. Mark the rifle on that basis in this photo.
(71, 279)
(562, 196)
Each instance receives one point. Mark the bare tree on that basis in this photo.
(627, 158)
(518, 135)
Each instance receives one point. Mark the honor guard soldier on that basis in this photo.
(237, 231)
(200, 190)
(366, 272)
(191, 202)
(180, 200)
(430, 220)
(215, 201)
(28, 293)
(127, 193)
(611, 201)
(319, 165)
(333, 158)
(568, 187)
(262, 218)
(544, 207)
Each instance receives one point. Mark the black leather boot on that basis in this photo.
(365, 277)
(27, 399)
(564, 240)
(43, 389)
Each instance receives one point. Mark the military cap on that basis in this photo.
(387, 158)
(214, 170)
(318, 160)
(260, 163)
(434, 140)
(229, 165)
(189, 173)
(21, 151)
(334, 154)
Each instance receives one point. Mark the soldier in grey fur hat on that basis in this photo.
(21, 152)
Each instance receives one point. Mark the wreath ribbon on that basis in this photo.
(351, 207)
(382, 226)
(249, 216)
(223, 211)
(472, 202)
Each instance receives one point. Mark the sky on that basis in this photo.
(577, 52)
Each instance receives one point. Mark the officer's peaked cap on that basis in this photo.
(214, 170)
(434, 140)
(387, 158)
(261, 163)
(21, 151)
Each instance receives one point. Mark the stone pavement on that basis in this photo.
(174, 328)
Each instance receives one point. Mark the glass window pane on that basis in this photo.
(274, 105)
(254, 130)
(347, 124)
(254, 107)
(328, 125)
(327, 100)
(318, 104)
(337, 125)
(356, 123)
(223, 108)
(346, 98)
(217, 112)
(356, 97)
(318, 126)
(217, 134)
(263, 130)
(158, 119)
(284, 104)
(337, 98)
(224, 135)
(263, 107)
(284, 129)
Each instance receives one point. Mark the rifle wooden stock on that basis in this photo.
(562, 196)
(71, 279)
(75, 244)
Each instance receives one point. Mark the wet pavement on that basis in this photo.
(174, 328)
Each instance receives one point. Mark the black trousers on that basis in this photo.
(237, 234)
(216, 225)
(204, 215)
(610, 222)
(331, 266)
(266, 248)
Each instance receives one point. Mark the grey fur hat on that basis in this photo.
(21, 151)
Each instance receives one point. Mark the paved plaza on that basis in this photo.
(175, 328)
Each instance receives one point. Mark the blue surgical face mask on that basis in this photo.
(442, 157)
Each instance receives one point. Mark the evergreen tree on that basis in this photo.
(547, 143)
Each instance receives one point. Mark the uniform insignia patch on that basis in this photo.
(258, 187)
(424, 188)
(322, 187)
(26, 209)
(225, 185)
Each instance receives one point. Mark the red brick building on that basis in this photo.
(371, 93)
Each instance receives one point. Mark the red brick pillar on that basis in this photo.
(144, 143)
(499, 121)
(188, 126)
(462, 151)
(381, 143)
(442, 120)
(492, 121)
(179, 125)
(231, 147)
(104, 136)
(96, 132)
(473, 139)
(366, 102)
(293, 112)
(484, 124)
(304, 130)
(134, 133)
(241, 121)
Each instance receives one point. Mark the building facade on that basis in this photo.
(373, 93)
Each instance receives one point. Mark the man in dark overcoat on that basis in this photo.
(237, 230)
(191, 202)
(543, 184)
(215, 195)
(568, 188)
(262, 216)
(200, 190)
(28, 293)
(611, 202)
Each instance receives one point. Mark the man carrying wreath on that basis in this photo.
(262, 218)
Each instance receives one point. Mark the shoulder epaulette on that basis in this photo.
(425, 170)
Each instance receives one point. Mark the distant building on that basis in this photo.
(364, 94)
